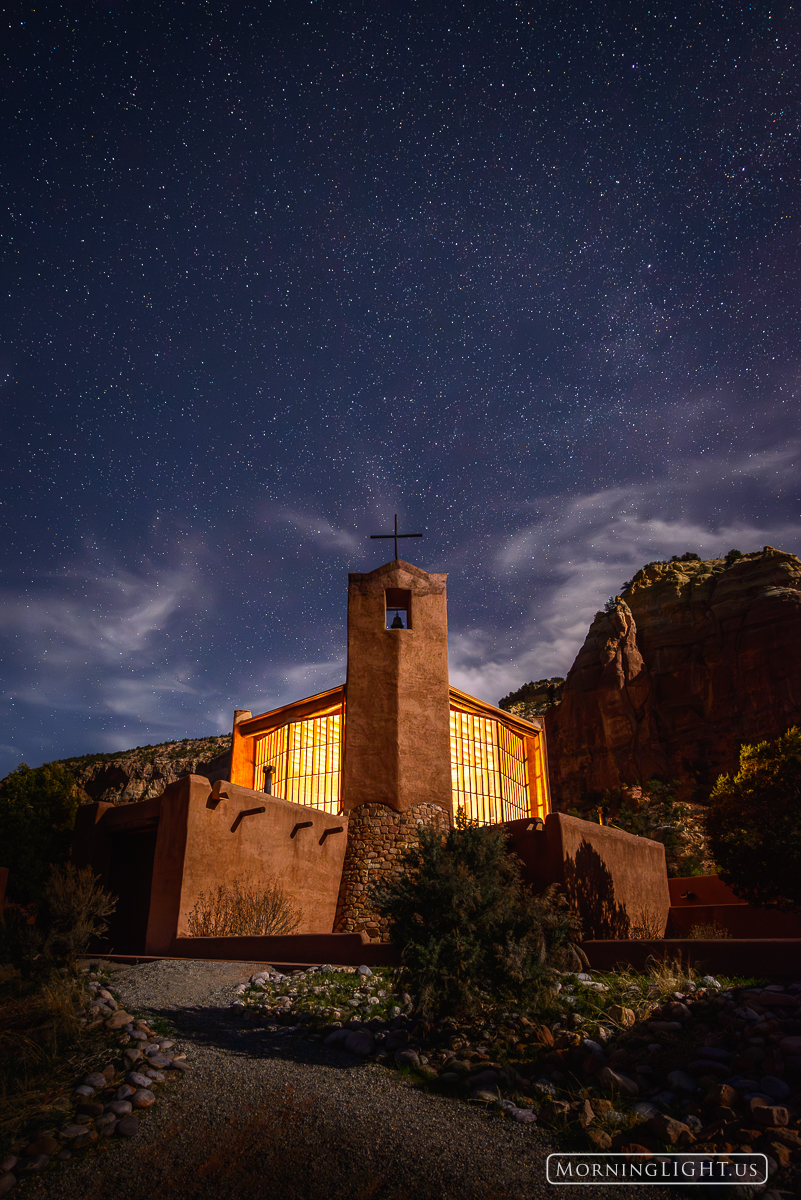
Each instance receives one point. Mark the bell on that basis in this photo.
(397, 623)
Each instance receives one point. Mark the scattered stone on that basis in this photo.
(769, 1114)
(119, 1108)
(142, 1098)
(42, 1145)
(613, 1081)
(680, 1081)
(135, 1080)
(38, 1162)
(774, 1087)
(360, 1042)
(118, 1019)
(71, 1131)
(670, 1130)
(525, 1116)
(406, 1058)
(88, 1137)
(128, 1126)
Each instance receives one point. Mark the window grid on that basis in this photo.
(489, 769)
(306, 758)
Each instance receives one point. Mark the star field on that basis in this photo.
(527, 275)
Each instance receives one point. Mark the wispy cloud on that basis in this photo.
(572, 559)
(322, 532)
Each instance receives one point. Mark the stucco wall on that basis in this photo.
(706, 900)
(230, 838)
(613, 879)
(202, 839)
(397, 726)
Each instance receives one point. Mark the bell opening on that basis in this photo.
(398, 609)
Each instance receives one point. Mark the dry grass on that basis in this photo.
(242, 909)
(642, 990)
(710, 930)
(38, 1028)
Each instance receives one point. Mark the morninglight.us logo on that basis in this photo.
(589, 1167)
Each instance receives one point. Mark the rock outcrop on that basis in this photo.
(535, 698)
(694, 659)
(146, 771)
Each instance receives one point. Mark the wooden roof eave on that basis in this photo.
(300, 710)
(464, 702)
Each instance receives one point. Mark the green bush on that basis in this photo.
(469, 928)
(37, 816)
(754, 824)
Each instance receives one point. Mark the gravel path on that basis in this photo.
(263, 1115)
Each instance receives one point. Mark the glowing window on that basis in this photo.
(489, 769)
(305, 758)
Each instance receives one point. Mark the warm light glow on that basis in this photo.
(306, 759)
(489, 769)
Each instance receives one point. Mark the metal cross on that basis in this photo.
(395, 535)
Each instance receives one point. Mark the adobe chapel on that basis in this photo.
(325, 793)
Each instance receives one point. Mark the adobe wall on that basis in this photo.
(614, 880)
(706, 900)
(700, 889)
(772, 957)
(202, 837)
(298, 949)
(397, 748)
(377, 837)
(203, 841)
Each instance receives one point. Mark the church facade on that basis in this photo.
(396, 733)
(326, 793)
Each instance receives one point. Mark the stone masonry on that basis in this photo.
(377, 837)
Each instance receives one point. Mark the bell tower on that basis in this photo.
(397, 715)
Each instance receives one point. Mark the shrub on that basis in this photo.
(242, 909)
(654, 812)
(468, 926)
(37, 816)
(753, 824)
(73, 912)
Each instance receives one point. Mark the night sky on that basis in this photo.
(526, 274)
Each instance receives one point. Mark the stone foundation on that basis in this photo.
(377, 837)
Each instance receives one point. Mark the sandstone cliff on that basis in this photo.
(694, 659)
(146, 771)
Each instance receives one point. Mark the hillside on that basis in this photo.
(128, 775)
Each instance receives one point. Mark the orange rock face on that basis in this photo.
(695, 659)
